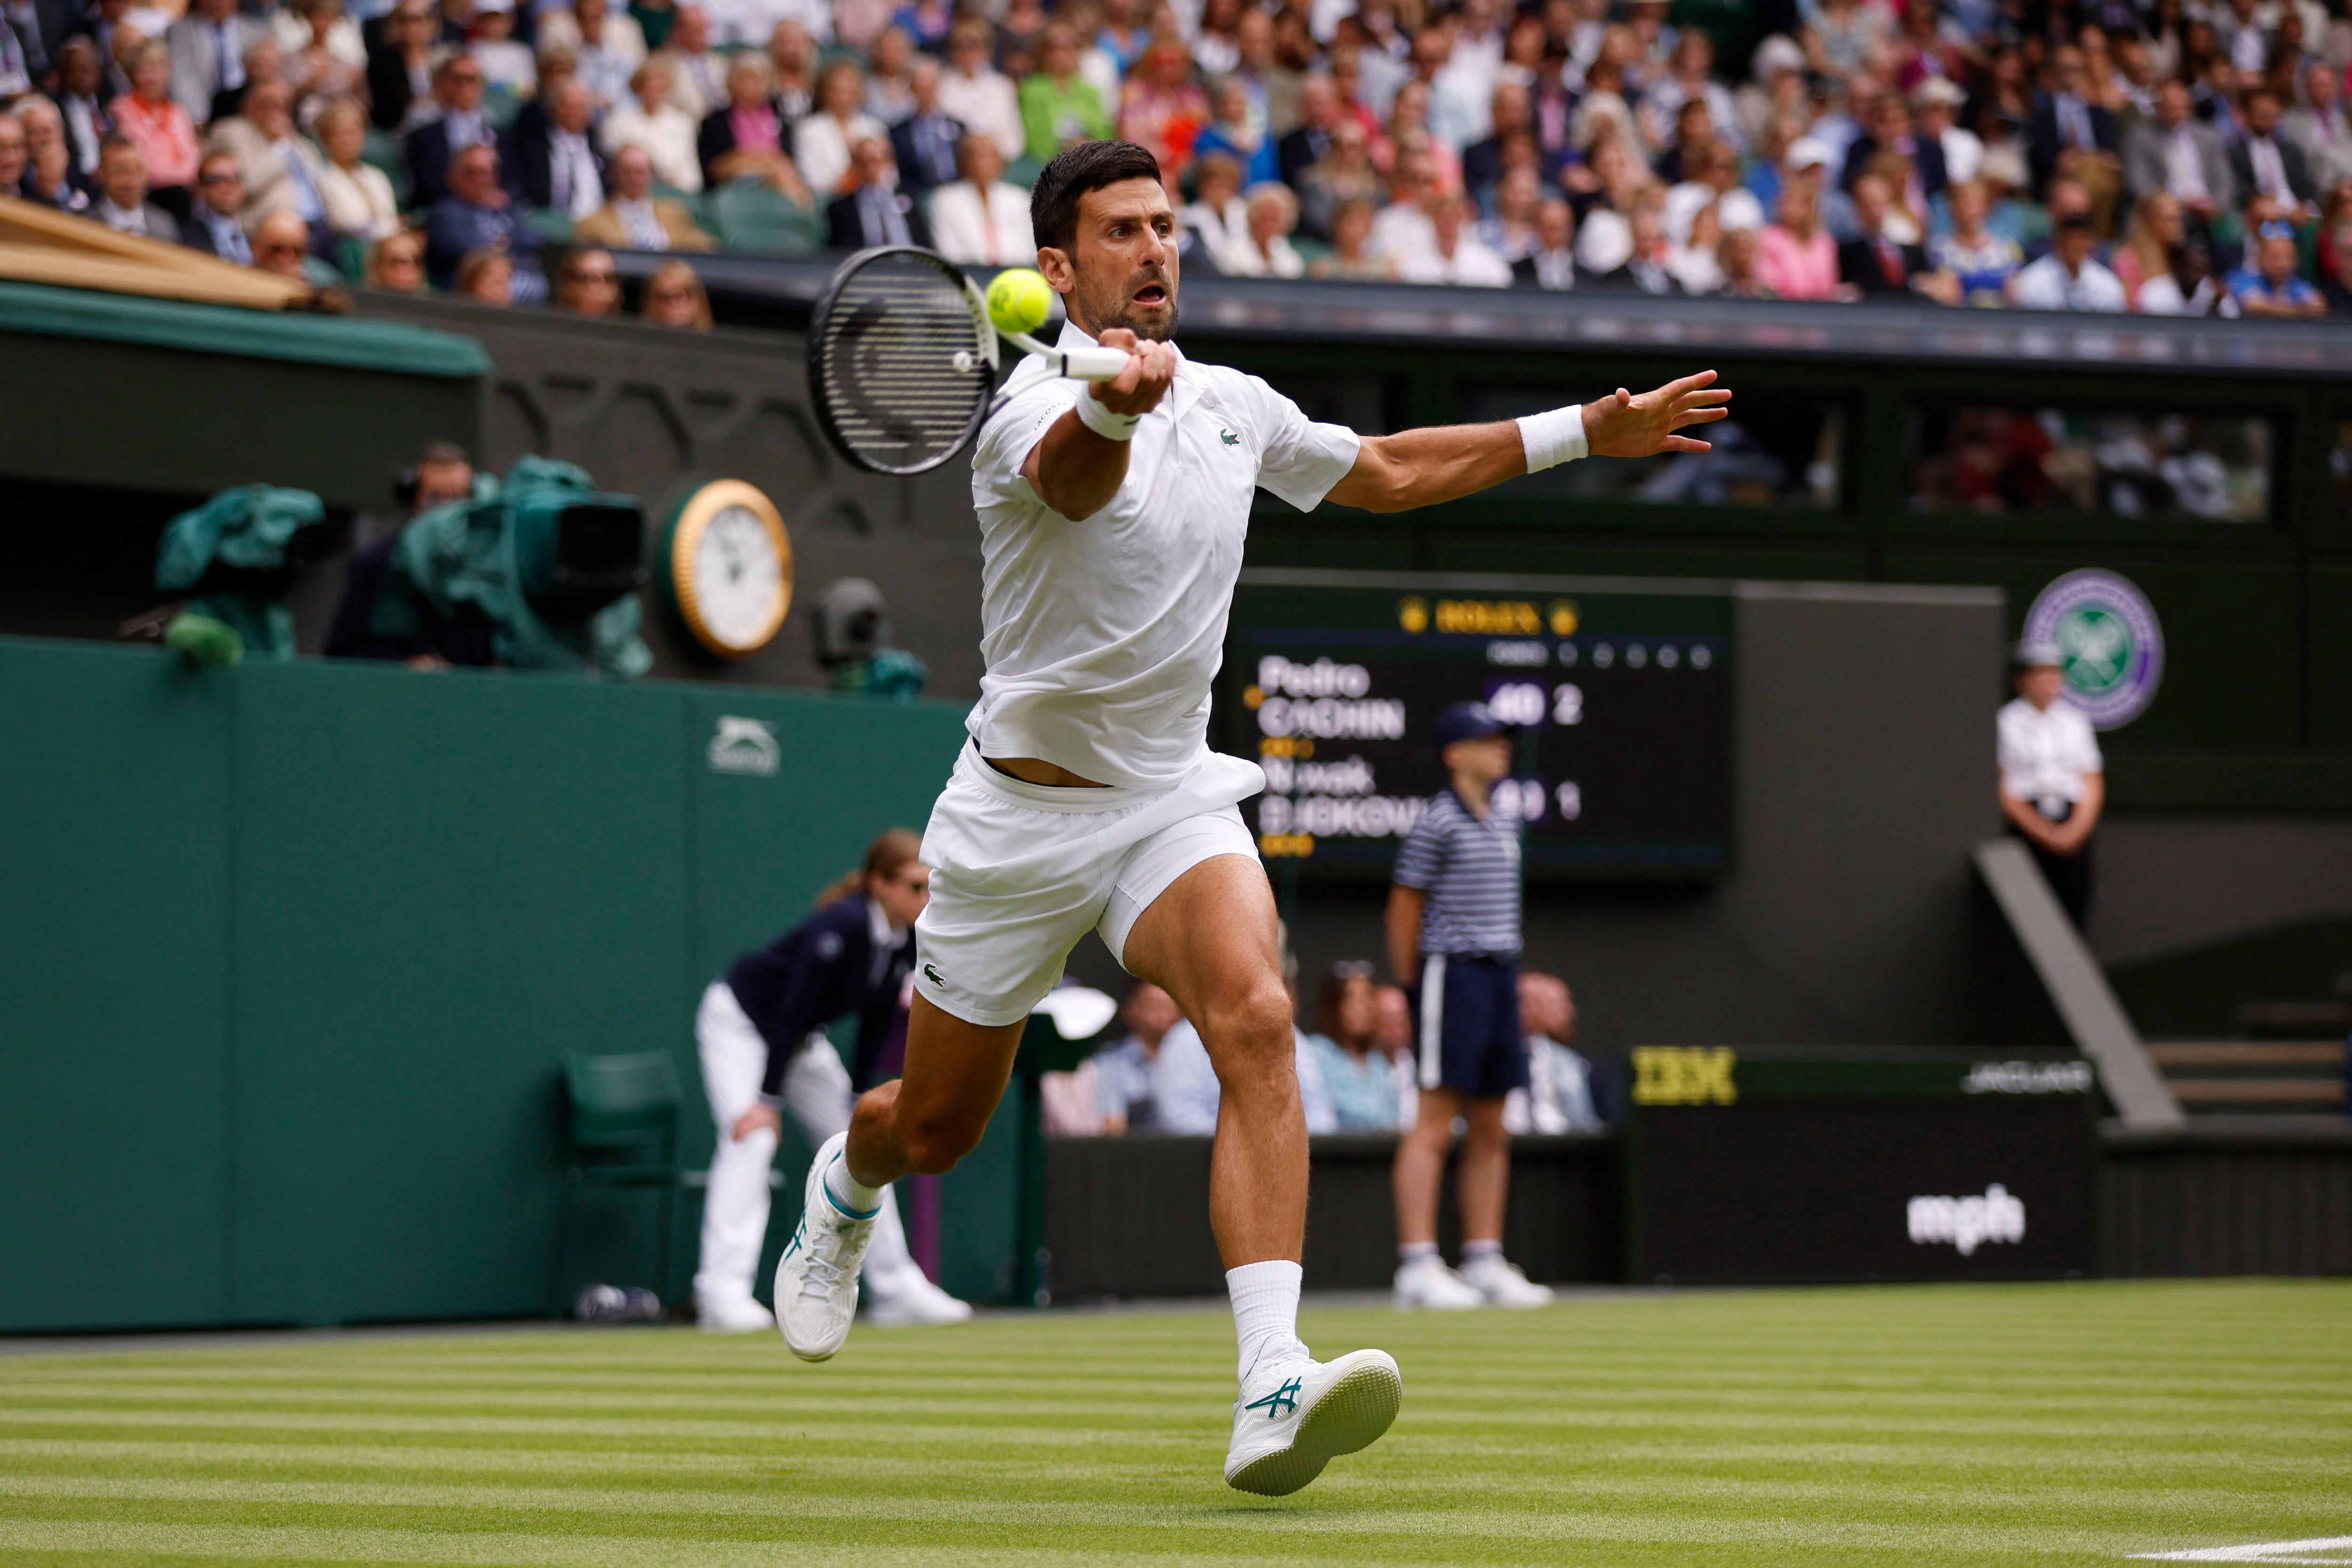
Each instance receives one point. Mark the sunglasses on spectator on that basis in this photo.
(228, 179)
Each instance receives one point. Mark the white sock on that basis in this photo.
(1471, 1249)
(849, 1191)
(1265, 1313)
(1414, 1251)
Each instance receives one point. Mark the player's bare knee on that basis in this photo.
(934, 1144)
(1251, 1027)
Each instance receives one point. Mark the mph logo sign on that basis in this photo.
(1966, 1224)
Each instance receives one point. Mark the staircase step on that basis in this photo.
(2171, 1053)
(2258, 1090)
(2277, 1020)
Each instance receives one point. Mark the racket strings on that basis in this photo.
(887, 363)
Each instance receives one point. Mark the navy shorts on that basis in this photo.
(1467, 1010)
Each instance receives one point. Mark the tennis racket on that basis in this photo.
(902, 360)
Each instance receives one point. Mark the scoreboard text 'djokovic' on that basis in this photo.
(1620, 690)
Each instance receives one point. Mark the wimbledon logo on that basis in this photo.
(2108, 635)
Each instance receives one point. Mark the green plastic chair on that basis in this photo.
(751, 216)
(623, 1132)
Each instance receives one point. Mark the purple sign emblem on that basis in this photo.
(2109, 643)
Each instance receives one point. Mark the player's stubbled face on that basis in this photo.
(1124, 264)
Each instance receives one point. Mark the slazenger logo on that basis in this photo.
(743, 746)
(1966, 1224)
(2028, 1078)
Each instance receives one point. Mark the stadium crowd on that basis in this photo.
(2165, 157)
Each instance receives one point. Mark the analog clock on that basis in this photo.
(729, 566)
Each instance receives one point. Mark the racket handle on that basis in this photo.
(1092, 363)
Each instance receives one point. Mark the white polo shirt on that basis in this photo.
(1102, 636)
(2045, 753)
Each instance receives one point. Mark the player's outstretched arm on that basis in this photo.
(1081, 460)
(1447, 462)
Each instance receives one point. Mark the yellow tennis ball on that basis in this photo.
(1019, 299)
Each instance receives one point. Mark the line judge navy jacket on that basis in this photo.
(820, 970)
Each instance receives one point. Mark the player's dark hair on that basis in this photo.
(1074, 171)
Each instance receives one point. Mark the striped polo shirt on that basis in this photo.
(1470, 869)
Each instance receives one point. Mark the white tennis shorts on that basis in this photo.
(1021, 872)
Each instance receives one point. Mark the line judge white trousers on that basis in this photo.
(735, 1208)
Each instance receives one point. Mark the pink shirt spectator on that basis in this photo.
(1797, 268)
(164, 133)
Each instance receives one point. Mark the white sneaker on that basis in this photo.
(1426, 1283)
(816, 1279)
(1291, 1420)
(1501, 1283)
(908, 1296)
(731, 1315)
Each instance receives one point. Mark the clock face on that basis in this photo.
(739, 578)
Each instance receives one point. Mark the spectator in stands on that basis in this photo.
(743, 137)
(50, 175)
(976, 94)
(793, 63)
(509, 69)
(1874, 262)
(586, 282)
(1343, 174)
(2268, 165)
(1978, 262)
(396, 263)
(355, 195)
(478, 214)
(1558, 1097)
(1843, 40)
(215, 227)
(562, 172)
(980, 218)
(2187, 287)
(205, 55)
(674, 298)
(2070, 278)
(652, 120)
(1234, 130)
(1712, 179)
(1161, 110)
(2323, 126)
(889, 77)
(2179, 154)
(1127, 1075)
(1453, 254)
(1796, 257)
(433, 147)
(1737, 257)
(875, 211)
(1550, 262)
(924, 141)
(1060, 107)
(1189, 1093)
(1936, 106)
(281, 244)
(1262, 248)
(487, 278)
(2052, 779)
(606, 42)
(1318, 118)
(634, 218)
(699, 73)
(2156, 226)
(282, 171)
(1215, 215)
(2073, 135)
(81, 101)
(1510, 230)
(822, 142)
(1358, 1074)
(1352, 256)
(160, 127)
(1889, 130)
(15, 156)
(400, 68)
(122, 204)
(2271, 284)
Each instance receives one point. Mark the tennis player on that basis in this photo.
(1111, 519)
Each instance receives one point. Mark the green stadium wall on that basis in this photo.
(292, 955)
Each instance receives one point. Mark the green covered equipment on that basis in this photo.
(236, 556)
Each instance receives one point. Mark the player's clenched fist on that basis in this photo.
(1624, 426)
(1139, 388)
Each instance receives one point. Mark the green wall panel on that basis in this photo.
(442, 886)
(113, 989)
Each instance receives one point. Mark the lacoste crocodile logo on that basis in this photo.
(1228, 437)
(931, 973)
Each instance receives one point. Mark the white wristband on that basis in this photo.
(1103, 422)
(1554, 437)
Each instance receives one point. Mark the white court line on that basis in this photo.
(2270, 1552)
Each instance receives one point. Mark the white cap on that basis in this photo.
(1940, 89)
(1807, 153)
(1776, 54)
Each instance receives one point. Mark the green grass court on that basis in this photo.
(2048, 1425)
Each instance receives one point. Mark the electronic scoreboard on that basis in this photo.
(1620, 689)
